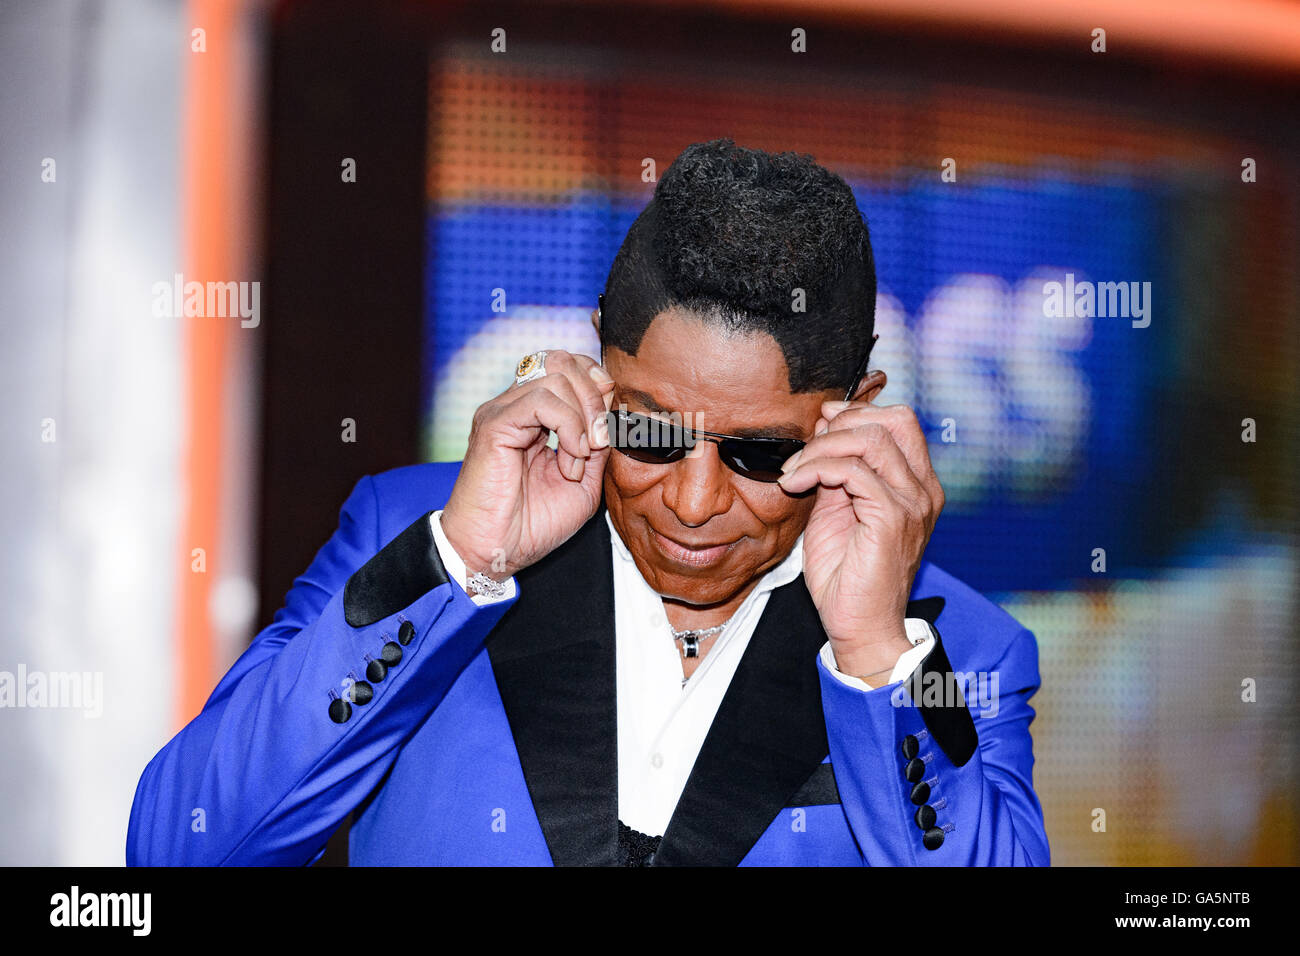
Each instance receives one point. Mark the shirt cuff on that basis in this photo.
(455, 564)
(917, 629)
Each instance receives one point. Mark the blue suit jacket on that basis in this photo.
(493, 741)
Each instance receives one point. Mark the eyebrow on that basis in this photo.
(779, 430)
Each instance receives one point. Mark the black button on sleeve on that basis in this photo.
(911, 746)
(925, 817)
(920, 793)
(391, 654)
(340, 710)
(914, 770)
(406, 633)
(376, 671)
(361, 692)
(933, 838)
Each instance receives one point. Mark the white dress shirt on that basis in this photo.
(661, 723)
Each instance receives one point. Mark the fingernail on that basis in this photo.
(600, 432)
(599, 375)
(584, 446)
(837, 406)
(791, 463)
(575, 470)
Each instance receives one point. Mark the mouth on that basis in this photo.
(694, 557)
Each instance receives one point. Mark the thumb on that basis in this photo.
(593, 475)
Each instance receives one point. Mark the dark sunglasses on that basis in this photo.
(658, 442)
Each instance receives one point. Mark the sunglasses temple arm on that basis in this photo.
(862, 369)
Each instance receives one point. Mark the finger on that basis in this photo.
(570, 467)
(588, 393)
(516, 423)
(902, 424)
(851, 474)
(874, 444)
(593, 368)
(579, 394)
(574, 466)
(562, 387)
(538, 405)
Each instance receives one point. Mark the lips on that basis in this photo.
(692, 555)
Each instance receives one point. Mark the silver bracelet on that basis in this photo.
(480, 583)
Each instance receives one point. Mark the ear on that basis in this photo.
(872, 384)
(595, 320)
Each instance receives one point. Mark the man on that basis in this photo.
(710, 644)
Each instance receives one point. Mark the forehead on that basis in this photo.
(738, 380)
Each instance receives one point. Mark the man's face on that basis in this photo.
(721, 382)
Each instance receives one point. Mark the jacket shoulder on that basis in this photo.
(976, 632)
(404, 494)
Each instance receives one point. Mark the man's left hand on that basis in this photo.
(877, 502)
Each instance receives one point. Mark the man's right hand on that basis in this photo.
(515, 499)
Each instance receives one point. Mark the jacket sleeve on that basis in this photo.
(919, 784)
(313, 714)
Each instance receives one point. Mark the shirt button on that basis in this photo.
(657, 761)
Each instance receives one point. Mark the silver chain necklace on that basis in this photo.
(691, 639)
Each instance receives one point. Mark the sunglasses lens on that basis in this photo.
(647, 439)
(757, 460)
(653, 456)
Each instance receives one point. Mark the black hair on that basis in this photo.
(729, 234)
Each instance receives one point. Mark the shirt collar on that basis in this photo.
(785, 572)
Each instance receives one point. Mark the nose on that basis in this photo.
(698, 487)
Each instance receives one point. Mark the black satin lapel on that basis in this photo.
(818, 790)
(768, 738)
(553, 657)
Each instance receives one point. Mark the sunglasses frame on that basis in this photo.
(728, 457)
